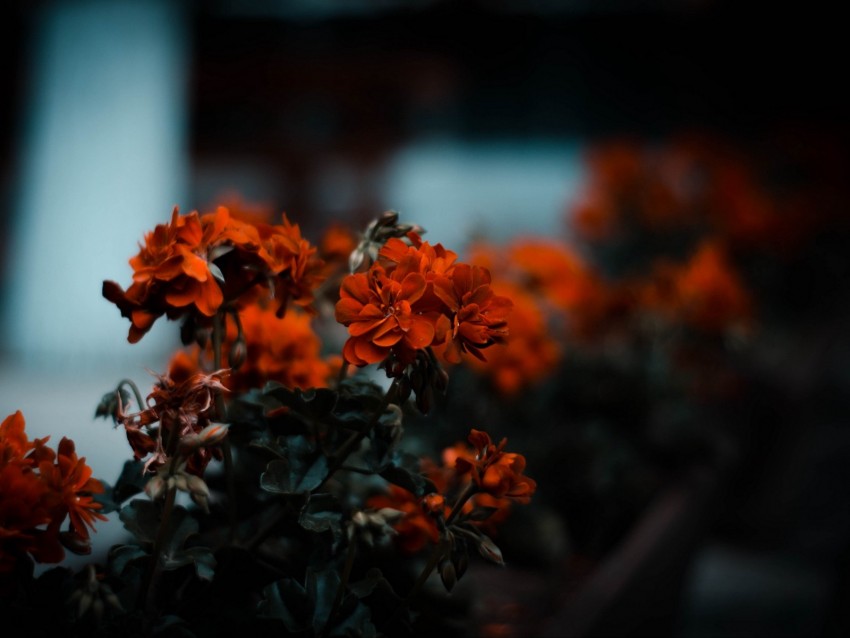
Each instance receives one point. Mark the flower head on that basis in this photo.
(39, 489)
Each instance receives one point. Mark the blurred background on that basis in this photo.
(479, 120)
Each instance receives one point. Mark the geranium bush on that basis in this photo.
(326, 455)
(269, 482)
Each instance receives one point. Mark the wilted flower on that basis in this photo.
(183, 406)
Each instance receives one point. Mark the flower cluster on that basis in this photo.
(196, 263)
(705, 292)
(39, 489)
(475, 486)
(697, 183)
(415, 296)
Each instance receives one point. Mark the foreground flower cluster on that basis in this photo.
(284, 451)
(39, 489)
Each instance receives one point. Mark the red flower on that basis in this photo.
(418, 527)
(71, 483)
(478, 316)
(531, 352)
(706, 292)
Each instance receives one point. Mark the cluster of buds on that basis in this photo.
(165, 480)
(94, 596)
(376, 235)
(373, 526)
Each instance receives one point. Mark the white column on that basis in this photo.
(103, 158)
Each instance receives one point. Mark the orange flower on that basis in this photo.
(479, 317)
(292, 264)
(414, 296)
(380, 312)
(705, 293)
(193, 264)
(171, 272)
(286, 350)
(494, 471)
(417, 528)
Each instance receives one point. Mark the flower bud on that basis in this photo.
(448, 575)
(155, 487)
(489, 550)
(238, 353)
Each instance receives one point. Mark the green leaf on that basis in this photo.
(172, 627)
(369, 582)
(287, 600)
(276, 477)
(404, 472)
(121, 556)
(141, 519)
(356, 623)
(302, 469)
(201, 557)
(315, 403)
(322, 513)
(130, 482)
(181, 526)
(322, 586)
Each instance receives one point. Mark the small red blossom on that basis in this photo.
(493, 470)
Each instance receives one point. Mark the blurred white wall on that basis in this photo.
(103, 158)
(495, 189)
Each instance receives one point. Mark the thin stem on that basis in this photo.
(135, 389)
(152, 573)
(219, 321)
(467, 493)
(439, 551)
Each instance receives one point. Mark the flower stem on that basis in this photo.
(135, 389)
(152, 573)
(467, 493)
(217, 338)
(439, 551)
